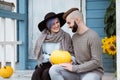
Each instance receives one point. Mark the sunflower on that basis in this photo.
(113, 39)
(112, 49)
(109, 45)
(104, 40)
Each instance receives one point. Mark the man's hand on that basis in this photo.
(67, 66)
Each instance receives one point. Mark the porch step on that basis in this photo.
(109, 76)
(20, 75)
(26, 75)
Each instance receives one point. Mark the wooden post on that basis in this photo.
(118, 37)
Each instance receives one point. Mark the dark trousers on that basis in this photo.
(42, 72)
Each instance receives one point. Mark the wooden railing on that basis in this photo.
(8, 36)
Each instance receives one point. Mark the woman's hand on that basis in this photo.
(50, 62)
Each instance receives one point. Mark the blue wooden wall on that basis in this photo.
(95, 11)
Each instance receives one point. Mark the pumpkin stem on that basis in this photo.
(5, 67)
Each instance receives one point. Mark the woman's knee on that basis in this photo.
(45, 75)
(54, 69)
(35, 75)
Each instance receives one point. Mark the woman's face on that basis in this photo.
(55, 26)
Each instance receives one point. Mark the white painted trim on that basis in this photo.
(118, 37)
(3, 48)
(84, 9)
(10, 42)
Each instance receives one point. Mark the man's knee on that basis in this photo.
(55, 68)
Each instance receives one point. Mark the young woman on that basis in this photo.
(52, 38)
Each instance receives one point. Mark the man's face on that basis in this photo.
(72, 24)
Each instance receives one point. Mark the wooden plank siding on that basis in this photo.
(95, 11)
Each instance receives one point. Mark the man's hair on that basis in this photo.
(76, 14)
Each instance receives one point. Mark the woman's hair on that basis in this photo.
(76, 14)
(51, 22)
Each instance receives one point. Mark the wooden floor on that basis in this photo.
(109, 76)
(26, 75)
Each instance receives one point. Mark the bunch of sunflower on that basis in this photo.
(109, 45)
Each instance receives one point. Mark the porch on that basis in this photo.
(22, 19)
(26, 75)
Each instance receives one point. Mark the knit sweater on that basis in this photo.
(88, 52)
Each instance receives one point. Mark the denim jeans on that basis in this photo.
(56, 72)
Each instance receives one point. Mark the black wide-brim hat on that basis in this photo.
(42, 24)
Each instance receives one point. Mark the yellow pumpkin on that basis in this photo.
(60, 56)
(6, 71)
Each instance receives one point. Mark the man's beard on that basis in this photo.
(74, 27)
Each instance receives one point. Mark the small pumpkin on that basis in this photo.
(60, 56)
(6, 71)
